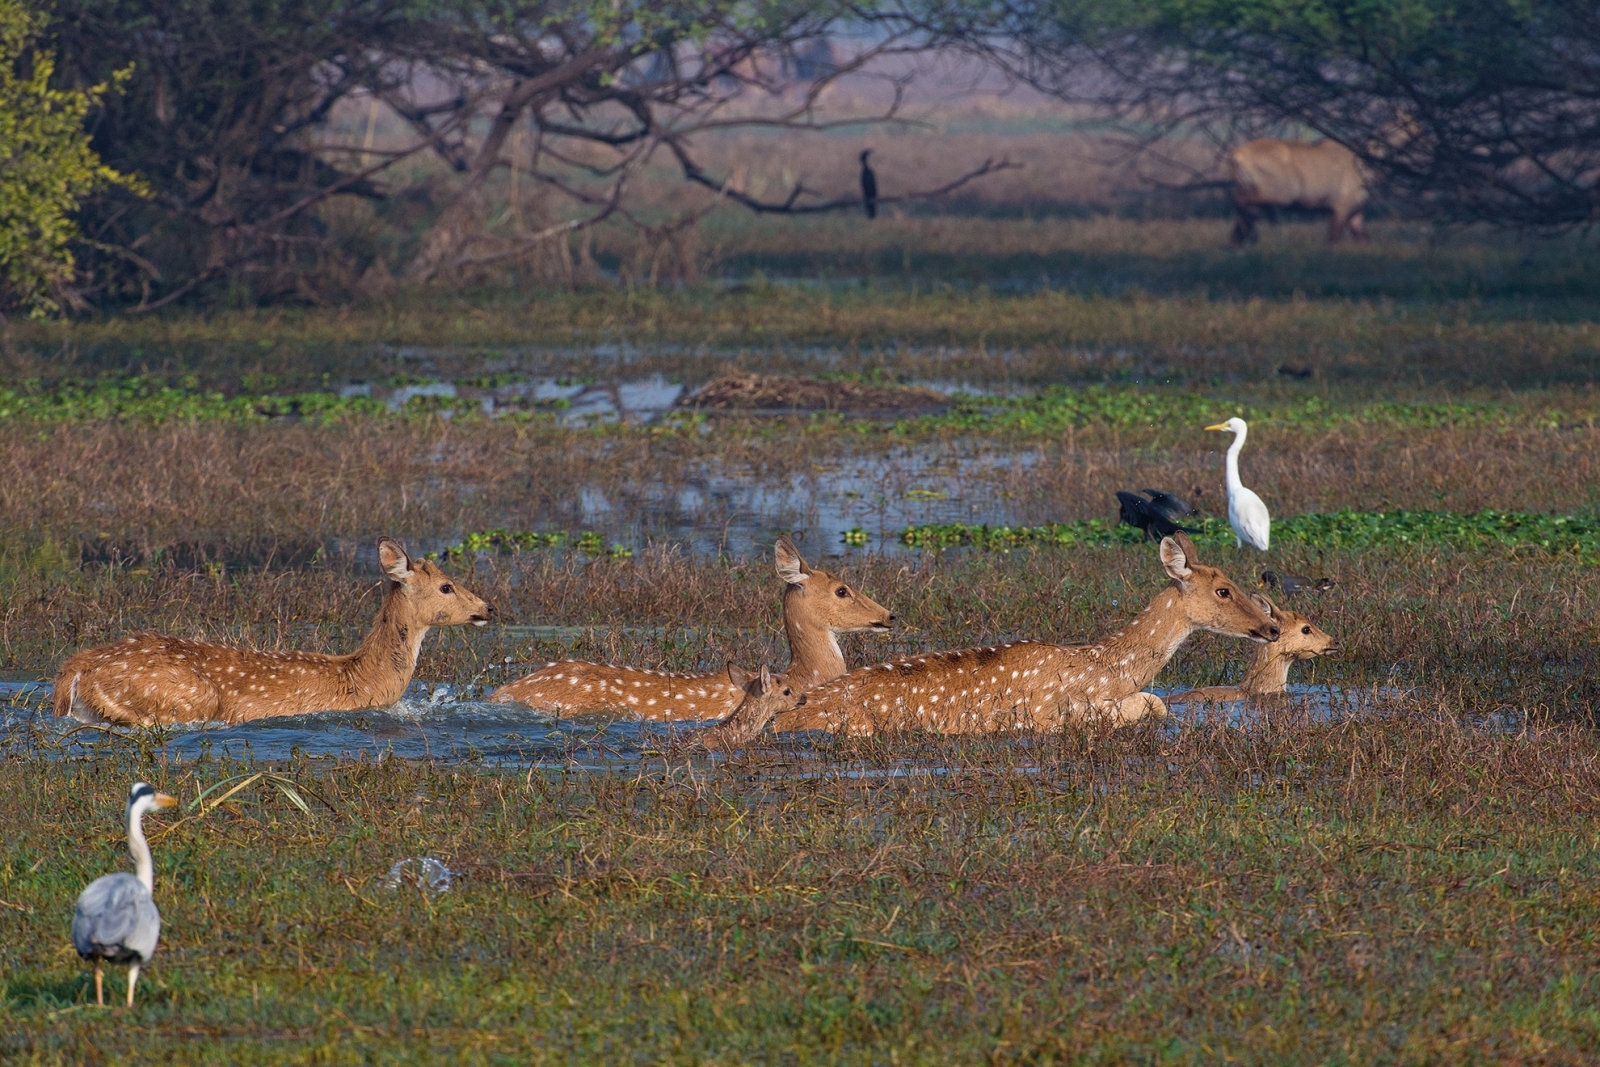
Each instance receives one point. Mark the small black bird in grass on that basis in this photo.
(1135, 510)
(1292, 584)
(869, 186)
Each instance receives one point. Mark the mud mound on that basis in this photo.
(763, 392)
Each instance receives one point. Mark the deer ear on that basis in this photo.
(1175, 560)
(1265, 605)
(766, 680)
(791, 568)
(739, 676)
(393, 559)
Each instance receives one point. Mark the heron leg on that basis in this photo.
(133, 980)
(99, 984)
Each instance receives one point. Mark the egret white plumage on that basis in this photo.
(116, 920)
(1246, 513)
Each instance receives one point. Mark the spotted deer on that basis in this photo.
(1030, 685)
(765, 696)
(149, 678)
(817, 608)
(1299, 638)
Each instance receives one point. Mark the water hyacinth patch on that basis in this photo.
(1347, 528)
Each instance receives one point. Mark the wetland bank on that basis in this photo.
(1411, 881)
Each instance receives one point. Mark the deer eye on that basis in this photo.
(447, 588)
(1224, 594)
(1305, 629)
(843, 592)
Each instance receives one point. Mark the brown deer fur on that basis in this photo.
(1269, 173)
(1299, 638)
(1036, 686)
(817, 607)
(150, 678)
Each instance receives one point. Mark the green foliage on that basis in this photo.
(500, 539)
(1343, 529)
(46, 164)
(1061, 407)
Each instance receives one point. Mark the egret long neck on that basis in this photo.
(1234, 484)
(143, 869)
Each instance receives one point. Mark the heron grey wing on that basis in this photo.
(109, 917)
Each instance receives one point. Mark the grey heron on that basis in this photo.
(116, 920)
(1246, 513)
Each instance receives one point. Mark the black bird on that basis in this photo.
(869, 186)
(1294, 583)
(1167, 503)
(1137, 511)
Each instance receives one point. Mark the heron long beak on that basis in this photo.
(1220, 426)
(162, 800)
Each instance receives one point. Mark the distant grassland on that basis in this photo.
(1086, 300)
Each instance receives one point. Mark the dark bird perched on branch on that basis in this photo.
(869, 186)
(1148, 516)
(1294, 583)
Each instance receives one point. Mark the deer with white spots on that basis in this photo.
(1299, 639)
(147, 678)
(817, 608)
(1030, 685)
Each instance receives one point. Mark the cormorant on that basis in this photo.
(869, 186)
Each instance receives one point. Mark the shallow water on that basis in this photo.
(430, 723)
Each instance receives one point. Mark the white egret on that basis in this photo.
(117, 920)
(1246, 513)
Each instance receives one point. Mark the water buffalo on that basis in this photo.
(1325, 175)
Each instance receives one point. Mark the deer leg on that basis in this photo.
(133, 980)
(99, 984)
(1137, 706)
(1358, 226)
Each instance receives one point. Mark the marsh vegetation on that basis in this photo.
(1410, 883)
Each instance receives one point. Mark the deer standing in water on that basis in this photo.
(1031, 685)
(817, 608)
(1299, 638)
(147, 678)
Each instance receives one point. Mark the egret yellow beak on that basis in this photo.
(164, 801)
(1220, 426)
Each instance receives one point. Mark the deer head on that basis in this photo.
(1299, 637)
(1209, 599)
(765, 698)
(430, 596)
(817, 598)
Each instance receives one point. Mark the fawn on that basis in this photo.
(1031, 685)
(765, 696)
(1299, 638)
(817, 607)
(148, 678)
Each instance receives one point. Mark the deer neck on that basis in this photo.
(814, 653)
(1136, 653)
(1269, 673)
(381, 668)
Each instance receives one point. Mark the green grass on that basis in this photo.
(1347, 529)
(1399, 892)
